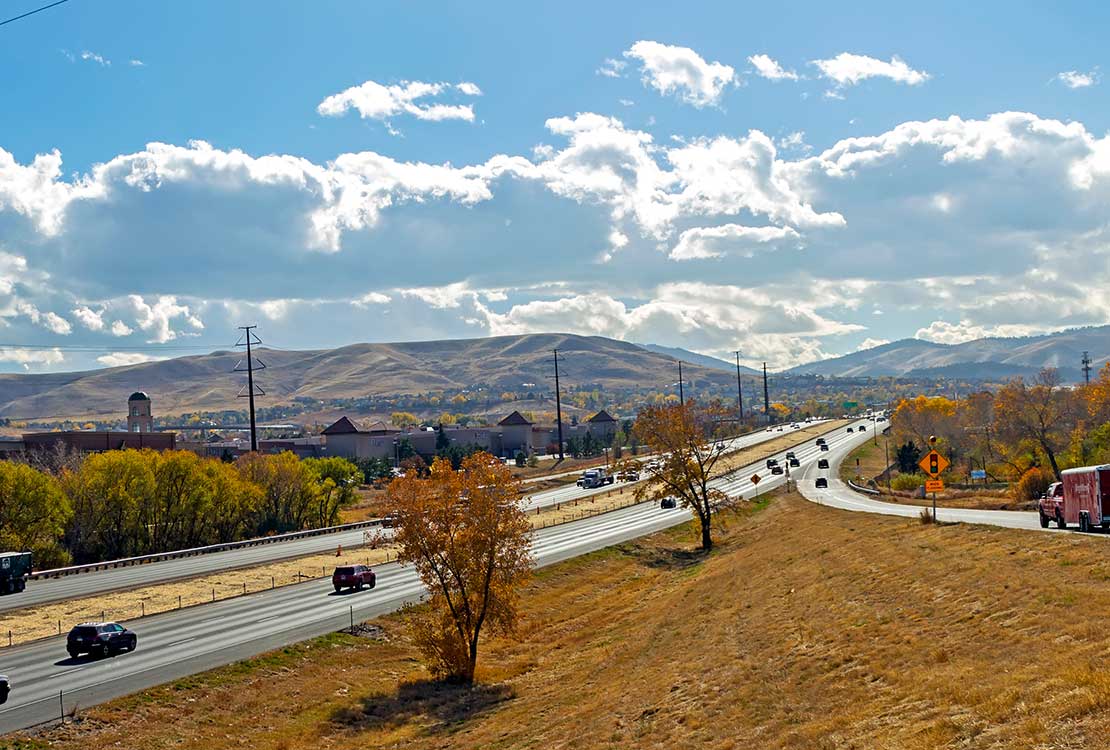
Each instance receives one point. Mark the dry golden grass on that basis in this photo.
(808, 627)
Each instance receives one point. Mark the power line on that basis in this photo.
(97, 348)
(33, 12)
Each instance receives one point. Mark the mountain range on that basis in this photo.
(206, 382)
(981, 359)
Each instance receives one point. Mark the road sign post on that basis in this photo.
(755, 483)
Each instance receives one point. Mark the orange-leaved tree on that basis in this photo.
(466, 535)
(689, 460)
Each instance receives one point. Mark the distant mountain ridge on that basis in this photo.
(698, 359)
(981, 359)
(206, 382)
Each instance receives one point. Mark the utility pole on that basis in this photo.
(247, 339)
(681, 395)
(558, 406)
(1087, 367)
(739, 388)
(766, 397)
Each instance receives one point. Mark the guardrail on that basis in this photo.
(859, 488)
(194, 551)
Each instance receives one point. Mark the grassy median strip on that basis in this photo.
(56, 618)
(873, 632)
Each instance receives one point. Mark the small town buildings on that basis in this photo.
(140, 433)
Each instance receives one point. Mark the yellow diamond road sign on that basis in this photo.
(933, 464)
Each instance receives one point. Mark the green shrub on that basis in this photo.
(907, 482)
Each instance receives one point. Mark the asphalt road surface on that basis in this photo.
(114, 579)
(46, 682)
(840, 495)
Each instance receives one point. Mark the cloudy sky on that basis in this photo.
(713, 176)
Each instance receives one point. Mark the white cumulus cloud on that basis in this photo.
(1073, 79)
(122, 359)
(769, 68)
(716, 242)
(681, 71)
(847, 69)
(375, 101)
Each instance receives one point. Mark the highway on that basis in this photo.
(184, 642)
(840, 495)
(114, 579)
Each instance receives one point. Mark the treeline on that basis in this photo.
(1039, 425)
(127, 503)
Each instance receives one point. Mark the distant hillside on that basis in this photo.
(698, 359)
(982, 359)
(206, 382)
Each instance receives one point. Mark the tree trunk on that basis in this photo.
(1051, 460)
(706, 536)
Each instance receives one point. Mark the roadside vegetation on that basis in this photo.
(123, 503)
(964, 637)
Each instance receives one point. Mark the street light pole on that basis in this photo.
(681, 395)
(739, 389)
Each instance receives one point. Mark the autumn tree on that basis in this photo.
(1041, 413)
(466, 535)
(33, 514)
(689, 459)
(337, 480)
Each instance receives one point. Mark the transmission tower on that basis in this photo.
(1087, 367)
(247, 339)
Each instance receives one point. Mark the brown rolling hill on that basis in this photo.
(206, 382)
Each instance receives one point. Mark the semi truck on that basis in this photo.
(14, 569)
(594, 478)
(1081, 497)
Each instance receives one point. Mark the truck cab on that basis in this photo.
(594, 478)
(1051, 506)
(14, 569)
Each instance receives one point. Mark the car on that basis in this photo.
(772, 462)
(5, 688)
(850, 430)
(790, 454)
(389, 521)
(776, 469)
(862, 427)
(823, 463)
(794, 461)
(824, 446)
(821, 483)
(820, 441)
(100, 639)
(668, 502)
(353, 577)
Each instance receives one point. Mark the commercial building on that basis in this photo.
(140, 433)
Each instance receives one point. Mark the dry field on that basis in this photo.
(808, 627)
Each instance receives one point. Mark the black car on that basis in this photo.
(794, 462)
(776, 469)
(5, 688)
(668, 502)
(772, 462)
(824, 446)
(790, 454)
(823, 463)
(100, 638)
(820, 441)
(821, 483)
(850, 430)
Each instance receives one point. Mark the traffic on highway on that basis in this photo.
(183, 642)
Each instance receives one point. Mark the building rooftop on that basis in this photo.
(138, 396)
(601, 416)
(516, 419)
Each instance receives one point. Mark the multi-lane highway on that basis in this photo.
(187, 641)
(113, 579)
(840, 495)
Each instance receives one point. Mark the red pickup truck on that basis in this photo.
(353, 577)
(1082, 497)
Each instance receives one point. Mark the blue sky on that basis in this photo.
(342, 172)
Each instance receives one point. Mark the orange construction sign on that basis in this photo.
(756, 478)
(933, 464)
(934, 485)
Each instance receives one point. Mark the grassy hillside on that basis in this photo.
(808, 628)
(207, 382)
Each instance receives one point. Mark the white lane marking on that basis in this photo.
(68, 671)
(178, 643)
(267, 619)
(214, 619)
